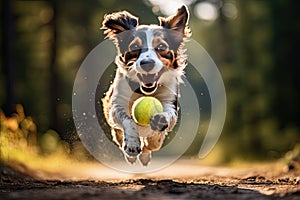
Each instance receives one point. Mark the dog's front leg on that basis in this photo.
(165, 120)
(132, 144)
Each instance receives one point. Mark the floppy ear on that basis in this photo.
(118, 22)
(177, 22)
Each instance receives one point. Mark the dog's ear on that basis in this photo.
(177, 22)
(118, 22)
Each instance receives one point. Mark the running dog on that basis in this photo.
(150, 62)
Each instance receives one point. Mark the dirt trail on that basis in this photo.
(182, 180)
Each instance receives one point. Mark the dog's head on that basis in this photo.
(148, 52)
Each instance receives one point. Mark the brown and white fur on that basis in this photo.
(150, 62)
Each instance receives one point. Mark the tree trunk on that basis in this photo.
(9, 55)
(53, 82)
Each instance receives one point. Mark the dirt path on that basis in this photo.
(182, 180)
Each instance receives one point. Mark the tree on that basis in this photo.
(9, 54)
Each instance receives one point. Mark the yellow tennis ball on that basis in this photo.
(144, 108)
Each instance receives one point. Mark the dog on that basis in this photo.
(150, 62)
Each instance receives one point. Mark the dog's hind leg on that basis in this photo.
(117, 136)
(152, 143)
(145, 156)
(155, 142)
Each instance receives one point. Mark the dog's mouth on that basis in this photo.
(148, 84)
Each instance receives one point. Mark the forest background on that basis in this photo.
(254, 43)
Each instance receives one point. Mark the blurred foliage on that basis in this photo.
(17, 133)
(292, 159)
(19, 142)
(254, 43)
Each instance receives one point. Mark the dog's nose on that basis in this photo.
(147, 64)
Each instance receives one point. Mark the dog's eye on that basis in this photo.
(161, 47)
(134, 47)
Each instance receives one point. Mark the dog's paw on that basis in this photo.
(132, 146)
(159, 122)
(130, 160)
(145, 158)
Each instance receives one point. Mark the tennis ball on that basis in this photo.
(144, 108)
